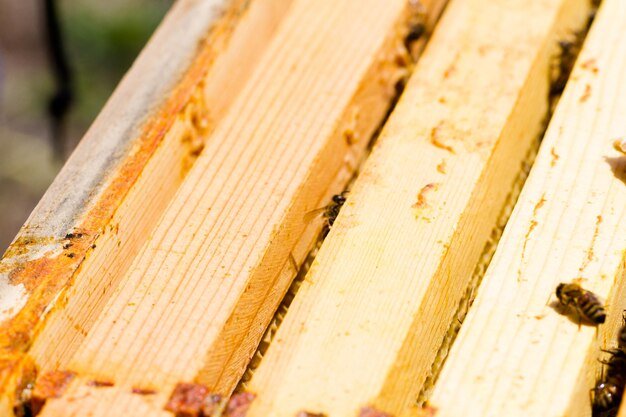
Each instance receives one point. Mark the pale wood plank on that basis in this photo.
(81, 400)
(120, 178)
(365, 326)
(134, 219)
(515, 355)
(198, 296)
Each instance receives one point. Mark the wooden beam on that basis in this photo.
(146, 201)
(515, 354)
(365, 326)
(195, 302)
(121, 177)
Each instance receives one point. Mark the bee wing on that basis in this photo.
(314, 214)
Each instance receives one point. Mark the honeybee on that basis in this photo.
(616, 365)
(329, 212)
(332, 210)
(607, 393)
(569, 49)
(586, 303)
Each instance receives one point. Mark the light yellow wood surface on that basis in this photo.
(515, 355)
(197, 298)
(102, 206)
(119, 243)
(367, 322)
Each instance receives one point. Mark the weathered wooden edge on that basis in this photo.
(101, 171)
(140, 96)
(384, 63)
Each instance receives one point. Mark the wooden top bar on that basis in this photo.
(368, 319)
(195, 300)
(140, 133)
(515, 354)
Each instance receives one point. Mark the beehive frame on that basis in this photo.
(158, 257)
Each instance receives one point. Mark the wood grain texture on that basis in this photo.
(103, 204)
(515, 355)
(133, 221)
(81, 400)
(198, 296)
(366, 324)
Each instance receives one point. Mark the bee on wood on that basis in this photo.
(329, 212)
(587, 305)
(616, 365)
(332, 210)
(569, 49)
(607, 393)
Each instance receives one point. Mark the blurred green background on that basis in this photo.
(101, 38)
